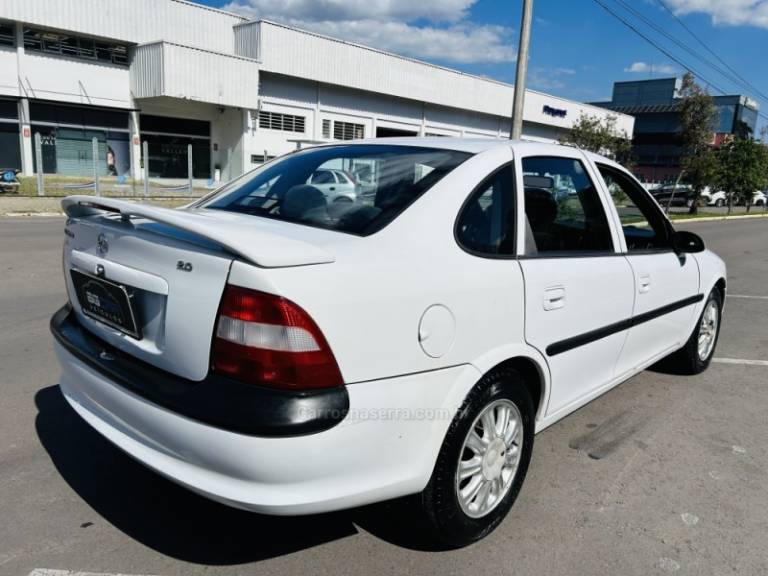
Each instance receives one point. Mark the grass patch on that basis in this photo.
(685, 216)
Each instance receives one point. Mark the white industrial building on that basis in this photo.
(174, 73)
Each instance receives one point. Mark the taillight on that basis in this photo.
(265, 339)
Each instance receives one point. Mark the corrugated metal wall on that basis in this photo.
(134, 21)
(306, 55)
(247, 40)
(147, 71)
(164, 69)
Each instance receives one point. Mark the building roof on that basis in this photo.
(640, 109)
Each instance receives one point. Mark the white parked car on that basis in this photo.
(294, 356)
(718, 199)
(336, 185)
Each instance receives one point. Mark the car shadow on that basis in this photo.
(182, 524)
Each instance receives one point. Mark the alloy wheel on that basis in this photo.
(708, 330)
(489, 458)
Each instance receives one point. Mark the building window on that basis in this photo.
(7, 34)
(348, 131)
(260, 158)
(326, 128)
(75, 46)
(284, 122)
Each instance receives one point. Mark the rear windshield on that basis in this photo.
(357, 189)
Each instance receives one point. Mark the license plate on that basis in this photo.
(106, 302)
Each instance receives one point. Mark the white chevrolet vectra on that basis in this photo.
(286, 355)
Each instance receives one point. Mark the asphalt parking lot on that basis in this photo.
(664, 474)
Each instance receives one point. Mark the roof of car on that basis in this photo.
(472, 145)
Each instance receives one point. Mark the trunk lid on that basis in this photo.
(174, 265)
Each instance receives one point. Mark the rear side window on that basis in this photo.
(486, 224)
(382, 181)
(643, 224)
(323, 177)
(563, 208)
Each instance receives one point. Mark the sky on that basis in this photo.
(577, 49)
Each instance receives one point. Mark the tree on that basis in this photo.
(742, 169)
(697, 116)
(601, 136)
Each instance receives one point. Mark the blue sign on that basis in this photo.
(556, 112)
(9, 176)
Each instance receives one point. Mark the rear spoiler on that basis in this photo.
(265, 248)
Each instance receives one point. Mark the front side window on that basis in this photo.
(486, 224)
(387, 179)
(563, 208)
(642, 223)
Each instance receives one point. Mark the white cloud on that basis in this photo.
(385, 10)
(645, 68)
(726, 12)
(394, 25)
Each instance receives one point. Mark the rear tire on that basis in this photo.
(456, 518)
(695, 356)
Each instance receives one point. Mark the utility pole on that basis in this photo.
(522, 71)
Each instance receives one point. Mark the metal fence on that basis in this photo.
(96, 184)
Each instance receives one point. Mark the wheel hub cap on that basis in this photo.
(494, 459)
(489, 458)
(708, 331)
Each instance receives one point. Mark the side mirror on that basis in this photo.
(684, 242)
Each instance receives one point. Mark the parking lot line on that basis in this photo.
(745, 296)
(740, 361)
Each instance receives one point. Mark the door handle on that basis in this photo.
(554, 298)
(644, 283)
(332, 188)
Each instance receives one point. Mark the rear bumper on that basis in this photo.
(384, 448)
(216, 401)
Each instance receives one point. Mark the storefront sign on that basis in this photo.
(555, 112)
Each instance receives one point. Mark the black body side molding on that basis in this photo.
(575, 341)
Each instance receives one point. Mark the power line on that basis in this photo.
(725, 73)
(664, 5)
(655, 45)
(664, 51)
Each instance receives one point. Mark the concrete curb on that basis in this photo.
(716, 218)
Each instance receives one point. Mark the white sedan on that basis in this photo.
(295, 356)
(720, 198)
(337, 185)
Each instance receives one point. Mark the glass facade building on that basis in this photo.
(66, 139)
(656, 108)
(10, 146)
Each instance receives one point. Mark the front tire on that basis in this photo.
(720, 203)
(483, 461)
(695, 356)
